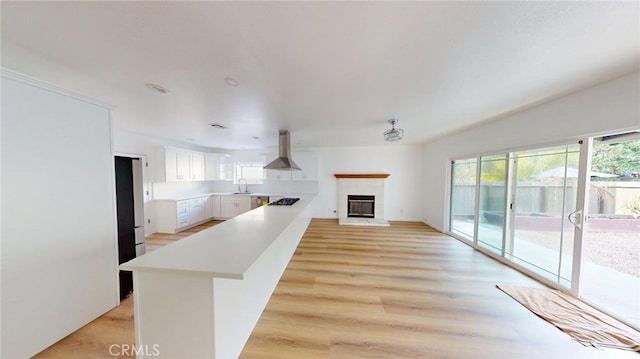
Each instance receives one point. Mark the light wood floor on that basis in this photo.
(404, 291)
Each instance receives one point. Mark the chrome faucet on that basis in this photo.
(246, 190)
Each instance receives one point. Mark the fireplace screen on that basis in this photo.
(361, 206)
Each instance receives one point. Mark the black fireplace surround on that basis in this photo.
(361, 206)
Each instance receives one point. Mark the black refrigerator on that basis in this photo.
(130, 215)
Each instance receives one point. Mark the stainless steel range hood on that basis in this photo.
(284, 161)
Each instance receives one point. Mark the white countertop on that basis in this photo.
(181, 198)
(226, 250)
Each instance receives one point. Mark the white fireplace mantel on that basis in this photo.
(364, 184)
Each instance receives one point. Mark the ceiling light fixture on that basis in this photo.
(157, 88)
(231, 81)
(393, 134)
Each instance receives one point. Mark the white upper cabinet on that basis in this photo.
(211, 166)
(177, 164)
(197, 166)
(225, 167)
(185, 165)
(217, 167)
(171, 164)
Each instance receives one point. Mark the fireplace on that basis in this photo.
(361, 206)
(361, 199)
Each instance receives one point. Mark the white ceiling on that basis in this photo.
(330, 72)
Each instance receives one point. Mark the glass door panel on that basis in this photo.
(463, 197)
(544, 193)
(610, 270)
(491, 203)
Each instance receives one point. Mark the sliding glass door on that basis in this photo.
(610, 271)
(463, 197)
(491, 203)
(562, 214)
(544, 183)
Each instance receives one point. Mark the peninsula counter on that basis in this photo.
(202, 296)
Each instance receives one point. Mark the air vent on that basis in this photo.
(231, 81)
(157, 88)
(218, 126)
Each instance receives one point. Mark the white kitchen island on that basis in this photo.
(202, 296)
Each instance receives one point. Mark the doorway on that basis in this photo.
(544, 189)
(491, 203)
(130, 215)
(610, 270)
(568, 215)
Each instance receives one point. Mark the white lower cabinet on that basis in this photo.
(232, 206)
(174, 216)
(213, 207)
(197, 212)
(182, 215)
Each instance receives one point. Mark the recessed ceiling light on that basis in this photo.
(218, 126)
(231, 81)
(157, 88)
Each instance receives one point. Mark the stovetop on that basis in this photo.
(284, 202)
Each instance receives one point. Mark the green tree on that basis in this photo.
(621, 159)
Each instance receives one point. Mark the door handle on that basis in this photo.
(578, 215)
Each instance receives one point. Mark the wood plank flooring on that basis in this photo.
(404, 291)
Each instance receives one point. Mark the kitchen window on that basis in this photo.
(251, 172)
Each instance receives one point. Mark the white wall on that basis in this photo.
(277, 187)
(152, 149)
(403, 191)
(403, 188)
(609, 107)
(59, 244)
